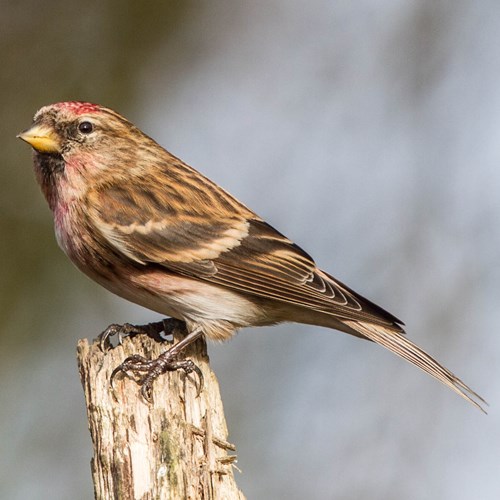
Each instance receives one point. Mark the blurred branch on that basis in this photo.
(175, 447)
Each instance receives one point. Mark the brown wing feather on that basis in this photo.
(270, 265)
(164, 225)
(219, 241)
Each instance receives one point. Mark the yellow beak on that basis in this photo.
(42, 138)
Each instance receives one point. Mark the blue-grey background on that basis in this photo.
(368, 132)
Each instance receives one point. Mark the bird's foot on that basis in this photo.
(152, 369)
(153, 330)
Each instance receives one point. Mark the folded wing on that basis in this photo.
(199, 230)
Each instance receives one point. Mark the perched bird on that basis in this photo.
(153, 230)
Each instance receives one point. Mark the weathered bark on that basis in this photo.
(173, 448)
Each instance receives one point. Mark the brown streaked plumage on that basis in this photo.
(153, 230)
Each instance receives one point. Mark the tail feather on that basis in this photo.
(406, 349)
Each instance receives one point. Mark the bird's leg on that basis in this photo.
(166, 362)
(153, 330)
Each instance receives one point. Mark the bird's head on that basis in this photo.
(76, 142)
(68, 128)
(60, 129)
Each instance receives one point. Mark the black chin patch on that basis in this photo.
(50, 163)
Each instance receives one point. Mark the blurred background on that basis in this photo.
(366, 131)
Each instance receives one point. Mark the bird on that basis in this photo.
(153, 230)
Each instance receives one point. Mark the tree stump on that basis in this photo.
(173, 448)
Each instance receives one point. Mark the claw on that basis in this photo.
(104, 342)
(147, 392)
(190, 367)
(200, 381)
(121, 331)
(153, 369)
(129, 330)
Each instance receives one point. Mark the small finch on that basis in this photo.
(156, 232)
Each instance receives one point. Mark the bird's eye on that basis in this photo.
(86, 127)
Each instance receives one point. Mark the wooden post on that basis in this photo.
(173, 448)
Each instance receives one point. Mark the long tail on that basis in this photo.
(400, 345)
